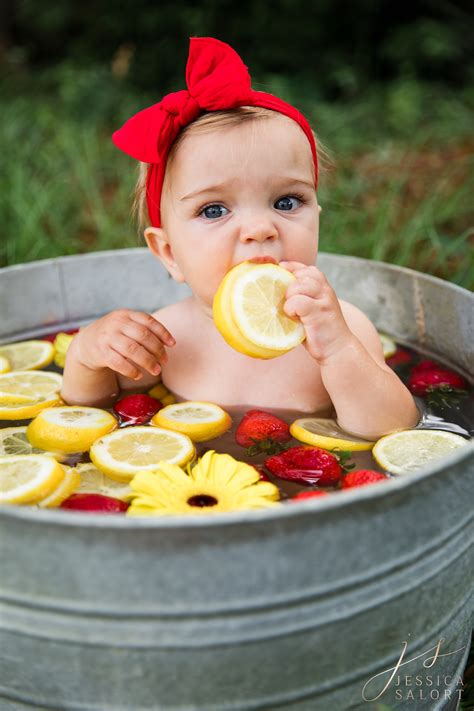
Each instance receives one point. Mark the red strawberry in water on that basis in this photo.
(261, 431)
(52, 336)
(308, 495)
(307, 465)
(94, 503)
(428, 376)
(137, 409)
(361, 477)
(400, 357)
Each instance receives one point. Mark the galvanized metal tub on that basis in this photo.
(298, 608)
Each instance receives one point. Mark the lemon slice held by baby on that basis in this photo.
(28, 478)
(71, 428)
(248, 310)
(406, 451)
(326, 433)
(28, 355)
(127, 451)
(23, 394)
(199, 420)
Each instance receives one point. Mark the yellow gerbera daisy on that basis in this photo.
(216, 483)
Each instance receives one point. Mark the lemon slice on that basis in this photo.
(257, 302)
(25, 393)
(326, 433)
(5, 365)
(159, 391)
(62, 492)
(28, 355)
(406, 451)
(28, 478)
(199, 420)
(93, 481)
(71, 428)
(13, 440)
(388, 345)
(224, 321)
(127, 451)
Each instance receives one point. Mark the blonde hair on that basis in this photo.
(206, 123)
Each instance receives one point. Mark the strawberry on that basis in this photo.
(361, 477)
(137, 409)
(400, 357)
(428, 376)
(308, 495)
(261, 431)
(307, 465)
(51, 336)
(94, 503)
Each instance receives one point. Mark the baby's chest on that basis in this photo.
(221, 375)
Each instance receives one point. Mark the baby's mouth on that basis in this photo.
(264, 259)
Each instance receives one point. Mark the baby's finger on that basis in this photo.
(137, 354)
(154, 325)
(146, 338)
(292, 266)
(299, 306)
(116, 362)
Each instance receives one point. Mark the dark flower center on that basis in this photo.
(202, 500)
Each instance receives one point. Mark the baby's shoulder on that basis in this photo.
(362, 327)
(175, 315)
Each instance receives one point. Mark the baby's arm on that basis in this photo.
(369, 398)
(110, 354)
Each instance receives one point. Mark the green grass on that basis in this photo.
(399, 189)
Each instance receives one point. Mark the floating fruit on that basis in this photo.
(13, 440)
(137, 409)
(130, 450)
(23, 394)
(61, 345)
(406, 451)
(28, 478)
(5, 365)
(308, 495)
(94, 503)
(63, 491)
(248, 310)
(428, 376)
(361, 477)
(261, 431)
(199, 420)
(93, 481)
(307, 465)
(28, 355)
(388, 345)
(326, 433)
(71, 428)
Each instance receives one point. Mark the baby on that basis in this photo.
(235, 183)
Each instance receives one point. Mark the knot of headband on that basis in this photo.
(217, 79)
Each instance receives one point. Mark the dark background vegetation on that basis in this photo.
(388, 87)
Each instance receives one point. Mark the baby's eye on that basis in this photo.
(285, 203)
(212, 211)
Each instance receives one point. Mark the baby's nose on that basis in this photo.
(258, 230)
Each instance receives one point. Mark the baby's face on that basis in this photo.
(233, 194)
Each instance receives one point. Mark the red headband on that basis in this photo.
(217, 79)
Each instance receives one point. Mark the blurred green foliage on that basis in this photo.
(335, 48)
(387, 88)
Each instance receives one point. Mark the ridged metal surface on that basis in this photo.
(290, 609)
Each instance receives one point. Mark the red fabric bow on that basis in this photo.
(217, 79)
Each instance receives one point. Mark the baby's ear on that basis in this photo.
(158, 243)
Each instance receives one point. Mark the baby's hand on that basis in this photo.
(124, 341)
(312, 300)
